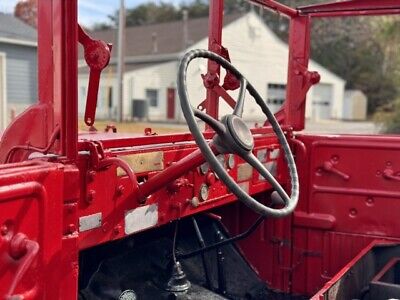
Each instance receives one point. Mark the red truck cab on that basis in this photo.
(229, 212)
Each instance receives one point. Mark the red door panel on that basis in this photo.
(346, 201)
(31, 238)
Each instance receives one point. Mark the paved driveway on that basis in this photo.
(341, 127)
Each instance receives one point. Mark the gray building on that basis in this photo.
(18, 67)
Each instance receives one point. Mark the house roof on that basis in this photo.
(112, 69)
(14, 31)
(169, 36)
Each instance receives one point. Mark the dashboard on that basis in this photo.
(107, 211)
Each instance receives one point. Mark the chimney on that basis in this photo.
(155, 42)
(185, 17)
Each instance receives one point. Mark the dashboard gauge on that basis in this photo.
(262, 155)
(274, 154)
(221, 159)
(203, 192)
(231, 161)
(204, 168)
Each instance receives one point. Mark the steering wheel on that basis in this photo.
(233, 136)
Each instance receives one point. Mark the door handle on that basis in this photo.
(24, 251)
(390, 175)
(330, 168)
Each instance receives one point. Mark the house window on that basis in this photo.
(152, 97)
(276, 94)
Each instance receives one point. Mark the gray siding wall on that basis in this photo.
(21, 73)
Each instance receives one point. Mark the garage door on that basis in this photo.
(3, 114)
(322, 102)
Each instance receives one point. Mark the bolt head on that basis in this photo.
(194, 202)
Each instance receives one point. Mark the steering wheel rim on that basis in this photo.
(228, 137)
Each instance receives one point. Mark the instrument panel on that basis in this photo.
(107, 210)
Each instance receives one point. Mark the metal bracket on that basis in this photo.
(97, 56)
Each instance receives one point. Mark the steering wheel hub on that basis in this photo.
(240, 133)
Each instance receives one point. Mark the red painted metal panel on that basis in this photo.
(32, 197)
(299, 35)
(340, 214)
(171, 197)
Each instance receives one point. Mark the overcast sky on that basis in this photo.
(90, 11)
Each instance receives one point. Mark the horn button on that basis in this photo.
(240, 133)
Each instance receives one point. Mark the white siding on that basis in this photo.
(3, 93)
(21, 73)
(263, 58)
(338, 85)
(160, 78)
(254, 49)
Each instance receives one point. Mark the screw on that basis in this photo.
(71, 228)
(353, 212)
(117, 229)
(335, 158)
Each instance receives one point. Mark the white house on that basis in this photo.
(152, 58)
(18, 67)
(355, 105)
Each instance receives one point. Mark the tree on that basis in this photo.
(26, 10)
(159, 12)
(149, 13)
(350, 48)
(389, 35)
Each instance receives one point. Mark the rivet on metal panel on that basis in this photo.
(370, 201)
(71, 228)
(117, 229)
(353, 212)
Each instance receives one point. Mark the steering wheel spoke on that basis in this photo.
(264, 172)
(214, 124)
(238, 110)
